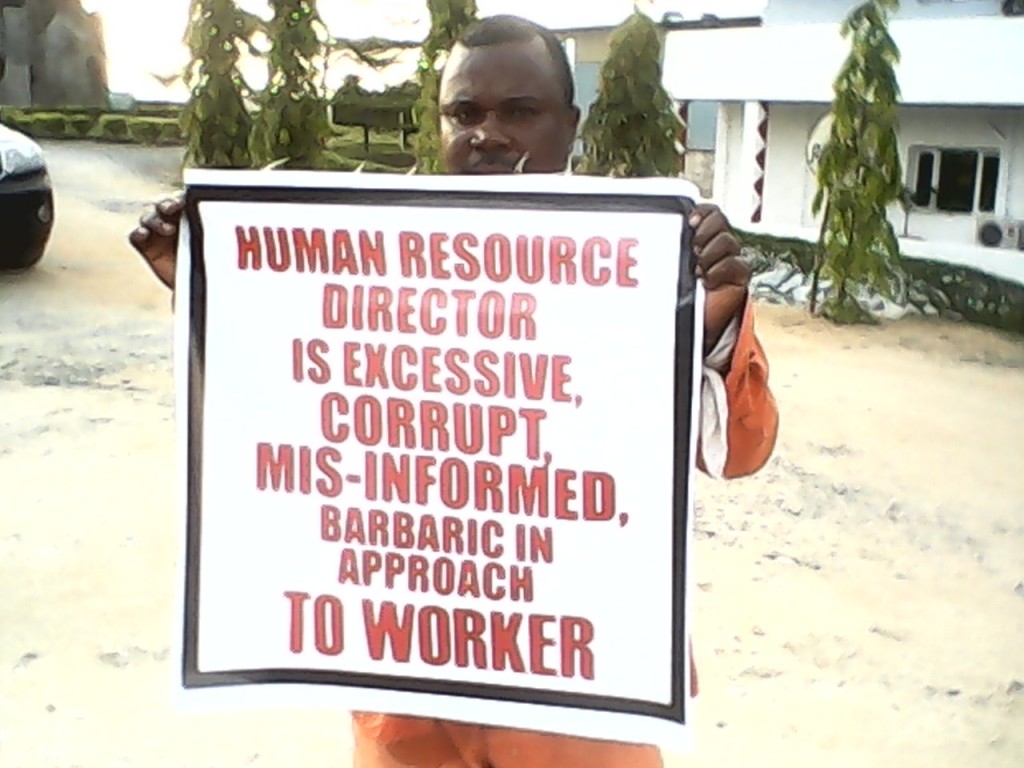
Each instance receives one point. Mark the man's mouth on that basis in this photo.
(493, 163)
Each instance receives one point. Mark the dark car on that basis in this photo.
(26, 202)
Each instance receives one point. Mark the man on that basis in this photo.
(507, 104)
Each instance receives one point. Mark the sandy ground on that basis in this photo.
(861, 601)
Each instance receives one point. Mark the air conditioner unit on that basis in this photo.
(1000, 233)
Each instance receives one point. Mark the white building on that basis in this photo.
(961, 120)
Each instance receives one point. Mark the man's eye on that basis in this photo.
(521, 113)
(465, 116)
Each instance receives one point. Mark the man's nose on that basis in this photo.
(490, 134)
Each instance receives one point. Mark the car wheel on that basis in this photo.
(27, 222)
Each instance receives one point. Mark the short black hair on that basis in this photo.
(506, 28)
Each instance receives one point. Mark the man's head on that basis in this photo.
(507, 94)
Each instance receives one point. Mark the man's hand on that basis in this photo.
(725, 277)
(157, 239)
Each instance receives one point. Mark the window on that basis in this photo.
(702, 125)
(989, 183)
(954, 180)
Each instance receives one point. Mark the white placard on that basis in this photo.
(437, 448)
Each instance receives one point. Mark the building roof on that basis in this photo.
(564, 16)
(965, 61)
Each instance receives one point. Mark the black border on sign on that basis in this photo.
(684, 356)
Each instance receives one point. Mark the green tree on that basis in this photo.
(291, 123)
(215, 119)
(859, 172)
(632, 128)
(448, 20)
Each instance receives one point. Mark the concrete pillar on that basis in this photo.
(16, 86)
(720, 186)
(761, 161)
(683, 111)
(17, 36)
(753, 157)
(16, 45)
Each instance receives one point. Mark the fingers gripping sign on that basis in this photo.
(725, 275)
(156, 238)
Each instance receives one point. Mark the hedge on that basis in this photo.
(79, 126)
(959, 293)
(155, 129)
(112, 128)
(168, 111)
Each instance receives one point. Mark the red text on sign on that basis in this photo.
(557, 260)
(548, 646)
(429, 425)
(291, 469)
(540, 491)
(404, 310)
(284, 250)
(447, 534)
(441, 576)
(328, 623)
(434, 370)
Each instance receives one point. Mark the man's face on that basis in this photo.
(500, 103)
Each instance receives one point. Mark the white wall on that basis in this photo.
(1015, 183)
(790, 185)
(788, 181)
(965, 61)
(803, 11)
(971, 128)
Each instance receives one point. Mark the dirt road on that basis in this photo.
(861, 601)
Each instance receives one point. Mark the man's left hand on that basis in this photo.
(725, 276)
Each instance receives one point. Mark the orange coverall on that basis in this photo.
(390, 741)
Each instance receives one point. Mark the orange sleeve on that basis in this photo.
(389, 728)
(753, 422)
(389, 740)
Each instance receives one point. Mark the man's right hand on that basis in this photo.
(156, 239)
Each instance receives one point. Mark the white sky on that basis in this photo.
(145, 36)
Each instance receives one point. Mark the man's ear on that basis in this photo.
(573, 126)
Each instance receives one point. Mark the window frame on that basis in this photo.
(982, 152)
